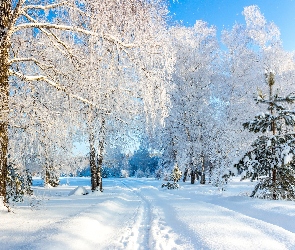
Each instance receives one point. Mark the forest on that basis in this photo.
(146, 96)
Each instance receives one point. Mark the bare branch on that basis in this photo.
(53, 6)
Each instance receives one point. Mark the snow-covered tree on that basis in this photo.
(182, 139)
(252, 49)
(130, 82)
(22, 23)
(271, 160)
(45, 44)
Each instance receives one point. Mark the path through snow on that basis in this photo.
(139, 214)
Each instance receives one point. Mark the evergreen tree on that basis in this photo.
(18, 184)
(175, 177)
(176, 174)
(271, 160)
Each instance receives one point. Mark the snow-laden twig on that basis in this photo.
(71, 28)
(45, 7)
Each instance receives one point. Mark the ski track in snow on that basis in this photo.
(137, 234)
(136, 214)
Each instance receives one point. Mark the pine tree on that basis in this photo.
(271, 160)
(18, 185)
(176, 174)
(175, 177)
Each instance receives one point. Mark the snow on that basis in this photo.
(80, 190)
(138, 214)
(288, 158)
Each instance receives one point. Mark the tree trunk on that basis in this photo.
(185, 174)
(92, 162)
(193, 176)
(274, 176)
(203, 180)
(203, 170)
(274, 173)
(100, 155)
(5, 16)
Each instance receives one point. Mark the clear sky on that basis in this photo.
(224, 13)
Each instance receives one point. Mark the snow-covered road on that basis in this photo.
(139, 214)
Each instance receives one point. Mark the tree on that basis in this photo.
(175, 177)
(182, 137)
(21, 66)
(253, 48)
(49, 44)
(272, 158)
(130, 82)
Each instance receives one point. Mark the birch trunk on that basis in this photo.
(92, 153)
(92, 158)
(5, 16)
(100, 155)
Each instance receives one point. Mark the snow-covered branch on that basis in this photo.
(25, 59)
(45, 7)
(50, 35)
(71, 28)
(53, 84)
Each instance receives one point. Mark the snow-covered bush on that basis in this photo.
(175, 177)
(124, 173)
(139, 173)
(170, 185)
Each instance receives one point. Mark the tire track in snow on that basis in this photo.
(152, 222)
(138, 232)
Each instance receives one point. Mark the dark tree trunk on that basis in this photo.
(185, 174)
(193, 177)
(5, 22)
(92, 162)
(274, 176)
(202, 181)
(274, 173)
(100, 155)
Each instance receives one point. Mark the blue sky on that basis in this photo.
(224, 13)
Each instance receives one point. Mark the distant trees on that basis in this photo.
(143, 163)
(214, 87)
(183, 138)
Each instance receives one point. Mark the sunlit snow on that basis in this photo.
(138, 214)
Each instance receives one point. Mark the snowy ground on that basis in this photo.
(139, 214)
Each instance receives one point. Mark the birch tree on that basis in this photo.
(196, 50)
(66, 28)
(131, 80)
